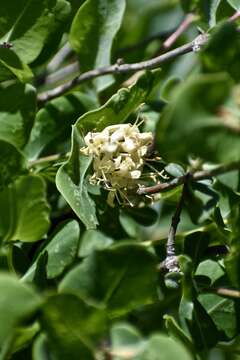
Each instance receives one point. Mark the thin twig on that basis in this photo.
(188, 20)
(59, 58)
(171, 39)
(47, 159)
(171, 263)
(222, 291)
(234, 17)
(197, 176)
(117, 68)
(62, 73)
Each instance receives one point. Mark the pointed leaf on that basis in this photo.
(93, 30)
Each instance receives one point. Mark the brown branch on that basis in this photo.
(117, 68)
(197, 176)
(196, 44)
(222, 291)
(171, 262)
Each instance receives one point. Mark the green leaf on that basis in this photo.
(9, 14)
(32, 27)
(41, 349)
(167, 347)
(117, 109)
(221, 311)
(24, 210)
(222, 51)
(12, 163)
(72, 184)
(61, 250)
(235, 4)
(93, 240)
(93, 30)
(53, 122)
(214, 8)
(125, 339)
(210, 269)
(72, 326)
(175, 331)
(17, 112)
(106, 276)
(61, 16)
(18, 302)
(193, 111)
(11, 66)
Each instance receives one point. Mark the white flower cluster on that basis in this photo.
(118, 155)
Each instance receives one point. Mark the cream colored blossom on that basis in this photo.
(118, 156)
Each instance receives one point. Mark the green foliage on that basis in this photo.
(80, 279)
(96, 23)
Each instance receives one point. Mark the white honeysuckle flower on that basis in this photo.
(118, 157)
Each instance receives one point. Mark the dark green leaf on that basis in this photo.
(24, 210)
(222, 51)
(72, 326)
(17, 112)
(61, 15)
(189, 126)
(10, 11)
(11, 66)
(12, 163)
(108, 275)
(93, 30)
(53, 122)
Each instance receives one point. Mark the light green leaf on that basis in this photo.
(61, 251)
(32, 27)
(93, 30)
(120, 105)
(41, 349)
(214, 7)
(211, 269)
(12, 163)
(167, 347)
(24, 210)
(126, 341)
(17, 112)
(235, 4)
(106, 276)
(72, 326)
(11, 66)
(71, 183)
(17, 303)
(221, 311)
